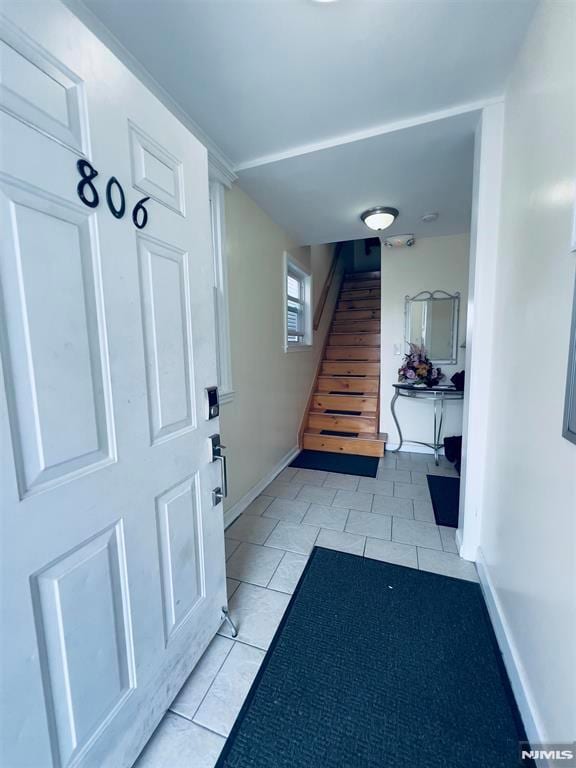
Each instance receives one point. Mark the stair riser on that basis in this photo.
(355, 276)
(349, 368)
(358, 304)
(359, 326)
(357, 314)
(354, 340)
(343, 384)
(344, 445)
(360, 285)
(342, 423)
(353, 353)
(322, 402)
(361, 293)
(364, 293)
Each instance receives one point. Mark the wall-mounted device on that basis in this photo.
(399, 241)
(212, 403)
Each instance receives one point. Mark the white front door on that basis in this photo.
(113, 573)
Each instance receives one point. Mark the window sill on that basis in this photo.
(297, 347)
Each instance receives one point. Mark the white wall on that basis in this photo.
(528, 531)
(320, 263)
(260, 425)
(433, 263)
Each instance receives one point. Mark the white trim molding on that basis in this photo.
(216, 158)
(236, 510)
(369, 133)
(221, 298)
(480, 323)
(516, 672)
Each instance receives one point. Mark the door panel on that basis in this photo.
(165, 301)
(41, 90)
(54, 361)
(181, 556)
(113, 557)
(155, 171)
(87, 681)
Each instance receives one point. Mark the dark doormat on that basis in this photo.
(376, 665)
(344, 463)
(445, 493)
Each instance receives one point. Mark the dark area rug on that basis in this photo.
(445, 493)
(345, 463)
(379, 666)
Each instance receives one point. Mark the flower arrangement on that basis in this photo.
(416, 368)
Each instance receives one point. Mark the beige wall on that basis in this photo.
(260, 426)
(433, 263)
(528, 536)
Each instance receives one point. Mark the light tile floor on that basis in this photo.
(387, 518)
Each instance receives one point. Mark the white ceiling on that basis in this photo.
(319, 196)
(273, 79)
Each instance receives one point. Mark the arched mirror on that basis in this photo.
(431, 319)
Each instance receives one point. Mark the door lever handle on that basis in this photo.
(217, 455)
(222, 458)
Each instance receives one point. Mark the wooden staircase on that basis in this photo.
(343, 412)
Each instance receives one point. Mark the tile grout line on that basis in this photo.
(205, 728)
(346, 521)
(228, 652)
(278, 566)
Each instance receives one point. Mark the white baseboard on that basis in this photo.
(231, 514)
(514, 666)
(408, 447)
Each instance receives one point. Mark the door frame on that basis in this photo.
(484, 230)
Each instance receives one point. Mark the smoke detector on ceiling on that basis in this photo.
(429, 217)
(399, 241)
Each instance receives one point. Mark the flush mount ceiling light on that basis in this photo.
(379, 217)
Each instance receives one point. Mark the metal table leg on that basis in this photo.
(393, 409)
(438, 428)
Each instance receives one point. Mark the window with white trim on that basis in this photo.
(297, 311)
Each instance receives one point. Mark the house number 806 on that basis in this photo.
(88, 193)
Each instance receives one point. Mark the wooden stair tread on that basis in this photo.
(366, 384)
(368, 354)
(349, 368)
(356, 285)
(354, 339)
(343, 411)
(322, 401)
(356, 314)
(355, 324)
(366, 444)
(374, 274)
(360, 293)
(363, 435)
(344, 304)
(360, 414)
(354, 378)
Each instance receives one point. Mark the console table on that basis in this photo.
(438, 395)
